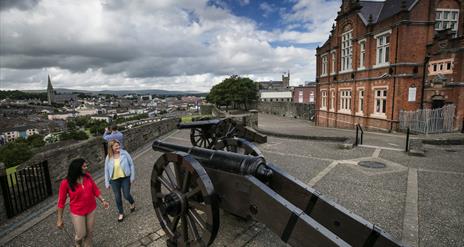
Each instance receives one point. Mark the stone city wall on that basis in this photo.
(288, 109)
(92, 150)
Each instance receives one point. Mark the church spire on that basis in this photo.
(50, 91)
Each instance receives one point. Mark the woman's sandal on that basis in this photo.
(120, 217)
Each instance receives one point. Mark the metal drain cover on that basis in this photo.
(371, 164)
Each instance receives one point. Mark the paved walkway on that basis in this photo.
(416, 199)
(272, 123)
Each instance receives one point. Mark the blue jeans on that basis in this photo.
(117, 185)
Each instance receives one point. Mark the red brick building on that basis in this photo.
(305, 94)
(383, 57)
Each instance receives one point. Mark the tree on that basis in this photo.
(14, 154)
(235, 91)
(36, 141)
(74, 135)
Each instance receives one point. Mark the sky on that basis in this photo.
(186, 45)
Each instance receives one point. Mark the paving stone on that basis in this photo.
(160, 242)
(154, 236)
(161, 232)
(135, 244)
(146, 240)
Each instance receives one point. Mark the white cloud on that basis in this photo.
(267, 8)
(121, 44)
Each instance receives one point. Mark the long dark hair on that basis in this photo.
(74, 172)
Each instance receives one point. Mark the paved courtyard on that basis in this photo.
(419, 200)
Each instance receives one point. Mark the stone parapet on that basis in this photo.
(288, 109)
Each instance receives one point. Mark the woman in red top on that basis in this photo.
(82, 191)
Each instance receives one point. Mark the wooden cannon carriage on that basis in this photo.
(206, 133)
(190, 184)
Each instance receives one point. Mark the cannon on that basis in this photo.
(190, 184)
(206, 133)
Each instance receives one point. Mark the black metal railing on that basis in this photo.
(25, 188)
(359, 135)
(406, 148)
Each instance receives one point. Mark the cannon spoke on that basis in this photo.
(184, 229)
(170, 175)
(174, 223)
(166, 184)
(197, 205)
(193, 229)
(191, 193)
(178, 175)
(194, 215)
(186, 182)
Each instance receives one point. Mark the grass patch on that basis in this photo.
(190, 118)
(11, 180)
(186, 119)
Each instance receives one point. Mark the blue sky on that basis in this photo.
(162, 44)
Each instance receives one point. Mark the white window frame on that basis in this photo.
(333, 69)
(324, 64)
(332, 100)
(381, 49)
(361, 101)
(347, 51)
(323, 99)
(441, 21)
(345, 101)
(362, 54)
(382, 99)
(300, 96)
(311, 97)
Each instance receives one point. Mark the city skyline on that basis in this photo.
(191, 45)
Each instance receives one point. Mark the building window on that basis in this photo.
(362, 54)
(380, 101)
(324, 65)
(383, 49)
(311, 97)
(447, 19)
(332, 100)
(347, 51)
(300, 96)
(334, 62)
(345, 100)
(444, 66)
(361, 101)
(324, 100)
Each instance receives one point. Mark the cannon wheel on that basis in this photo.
(238, 145)
(227, 128)
(184, 200)
(202, 137)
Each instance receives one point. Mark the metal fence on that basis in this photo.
(429, 121)
(25, 188)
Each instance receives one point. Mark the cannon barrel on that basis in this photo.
(221, 160)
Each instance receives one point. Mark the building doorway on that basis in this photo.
(438, 101)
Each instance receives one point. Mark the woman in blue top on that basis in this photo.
(120, 174)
